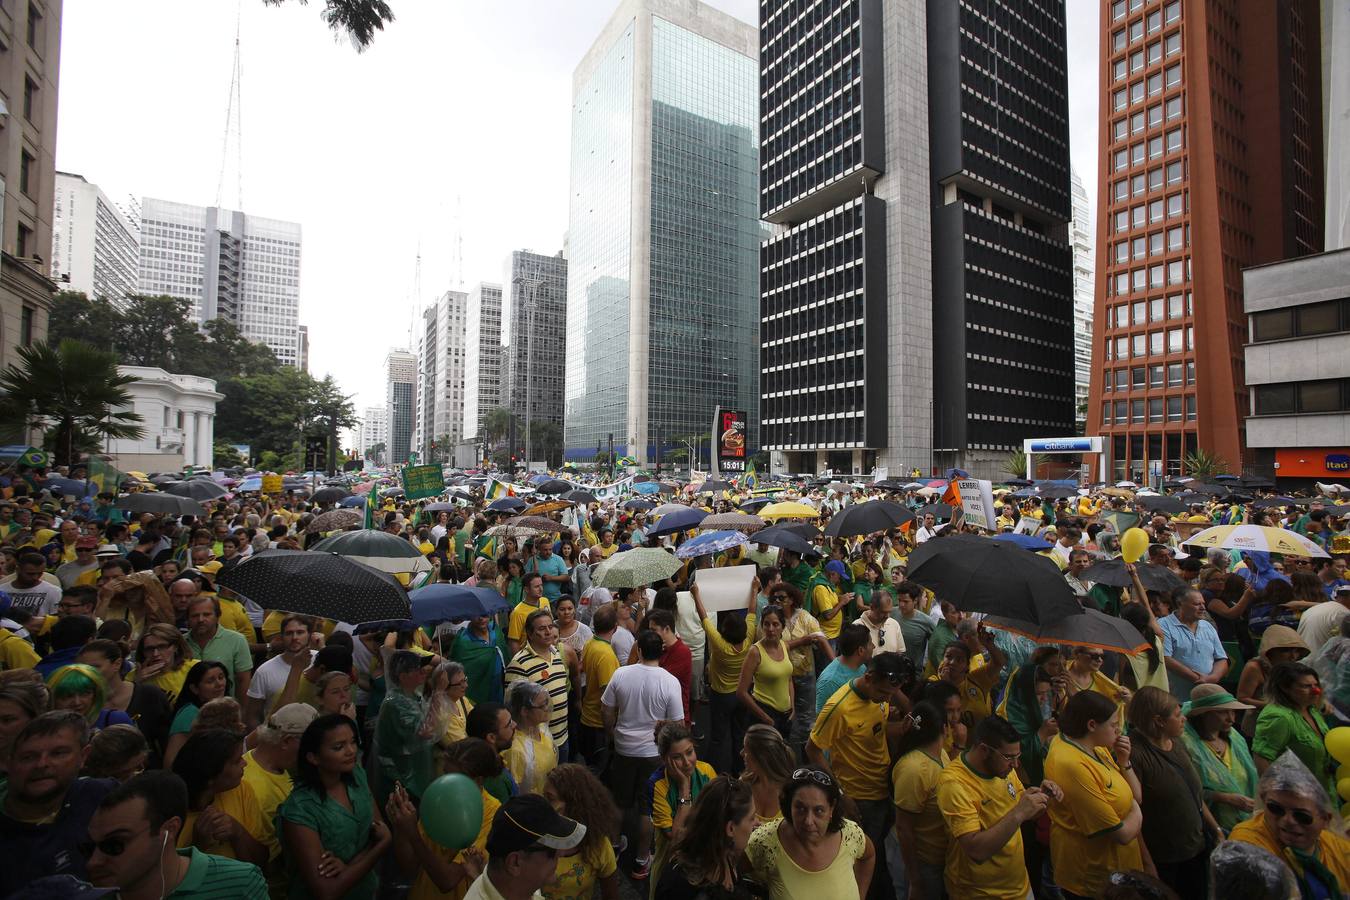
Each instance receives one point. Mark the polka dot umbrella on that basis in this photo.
(317, 584)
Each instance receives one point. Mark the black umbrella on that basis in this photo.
(162, 479)
(1213, 490)
(757, 503)
(889, 484)
(784, 537)
(938, 510)
(1091, 629)
(977, 574)
(580, 496)
(805, 529)
(1112, 572)
(330, 495)
(713, 485)
(439, 506)
(1172, 484)
(317, 584)
(639, 505)
(553, 486)
(460, 495)
(1160, 504)
(507, 504)
(161, 504)
(197, 489)
(1191, 498)
(1270, 502)
(1057, 492)
(868, 518)
(1254, 481)
(1019, 482)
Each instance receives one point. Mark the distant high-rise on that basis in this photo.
(302, 345)
(1211, 163)
(663, 232)
(1084, 264)
(534, 339)
(482, 357)
(96, 248)
(374, 431)
(229, 265)
(440, 376)
(400, 368)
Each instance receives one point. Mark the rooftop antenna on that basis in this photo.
(416, 299)
(233, 117)
(457, 260)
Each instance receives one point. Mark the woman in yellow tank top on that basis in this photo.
(765, 689)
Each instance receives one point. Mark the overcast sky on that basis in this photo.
(455, 122)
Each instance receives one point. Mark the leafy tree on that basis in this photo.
(547, 440)
(224, 456)
(1016, 464)
(497, 424)
(1202, 465)
(154, 332)
(72, 390)
(360, 19)
(96, 322)
(329, 410)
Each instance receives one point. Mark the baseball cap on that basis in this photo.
(293, 718)
(1343, 588)
(836, 567)
(530, 821)
(87, 542)
(60, 887)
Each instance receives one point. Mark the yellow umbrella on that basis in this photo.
(1255, 537)
(788, 510)
(547, 506)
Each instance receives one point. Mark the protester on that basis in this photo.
(267, 774)
(163, 660)
(532, 754)
(671, 789)
(404, 731)
(540, 661)
(1292, 720)
(766, 685)
(1220, 757)
(119, 752)
(223, 817)
(1279, 644)
(1191, 645)
(206, 681)
(579, 795)
(919, 827)
(146, 704)
(705, 860)
(728, 643)
(527, 840)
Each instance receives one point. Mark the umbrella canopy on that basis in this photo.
(333, 520)
(330, 494)
(438, 506)
(1255, 481)
(1126, 484)
(1118, 492)
(1270, 502)
(783, 537)
(938, 510)
(713, 485)
(1113, 572)
(353, 502)
(1213, 490)
(805, 529)
(977, 574)
(743, 522)
(889, 484)
(1025, 541)
(507, 504)
(682, 520)
(437, 603)
(788, 510)
(1256, 537)
(579, 496)
(553, 486)
(868, 518)
(710, 542)
(667, 508)
(640, 505)
(1160, 504)
(513, 531)
(1057, 491)
(161, 504)
(635, 568)
(536, 523)
(317, 584)
(547, 506)
(1091, 629)
(384, 492)
(163, 478)
(756, 504)
(377, 549)
(1018, 482)
(198, 489)
(70, 487)
(1191, 498)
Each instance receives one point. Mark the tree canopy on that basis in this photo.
(360, 19)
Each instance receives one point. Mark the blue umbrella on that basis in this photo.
(957, 473)
(443, 602)
(1025, 541)
(642, 505)
(680, 520)
(647, 487)
(353, 502)
(507, 504)
(711, 542)
(63, 487)
(252, 483)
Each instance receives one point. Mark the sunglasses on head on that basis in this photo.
(819, 777)
(1278, 811)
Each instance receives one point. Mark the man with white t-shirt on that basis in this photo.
(1322, 622)
(635, 700)
(270, 678)
(31, 594)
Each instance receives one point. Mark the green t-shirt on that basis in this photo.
(210, 877)
(343, 832)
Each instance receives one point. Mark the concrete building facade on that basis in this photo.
(482, 357)
(400, 368)
(29, 69)
(1084, 265)
(373, 430)
(440, 376)
(534, 339)
(96, 248)
(228, 265)
(663, 230)
(178, 417)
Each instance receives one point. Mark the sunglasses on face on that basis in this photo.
(113, 846)
(1301, 816)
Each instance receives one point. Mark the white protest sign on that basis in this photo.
(977, 501)
(724, 588)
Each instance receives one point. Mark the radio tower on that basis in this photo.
(233, 125)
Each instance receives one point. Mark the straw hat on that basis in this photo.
(1210, 698)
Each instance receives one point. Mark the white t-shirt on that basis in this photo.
(885, 638)
(39, 600)
(1321, 623)
(642, 695)
(622, 642)
(687, 624)
(270, 678)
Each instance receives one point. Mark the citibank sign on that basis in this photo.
(1063, 445)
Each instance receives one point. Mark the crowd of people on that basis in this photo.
(845, 732)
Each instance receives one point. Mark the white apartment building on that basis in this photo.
(440, 376)
(96, 247)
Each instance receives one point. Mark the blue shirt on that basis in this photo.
(1198, 650)
(832, 678)
(554, 565)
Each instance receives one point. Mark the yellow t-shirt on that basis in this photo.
(456, 721)
(424, 888)
(15, 652)
(1097, 798)
(970, 803)
(270, 790)
(599, 663)
(602, 551)
(826, 599)
(801, 624)
(233, 617)
(772, 678)
(784, 878)
(240, 804)
(271, 626)
(725, 660)
(1333, 851)
(170, 681)
(975, 701)
(578, 874)
(515, 628)
(530, 759)
(915, 779)
(853, 729)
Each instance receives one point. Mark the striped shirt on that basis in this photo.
(215, 876)
(549, 673)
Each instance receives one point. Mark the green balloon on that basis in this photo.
(452, 811)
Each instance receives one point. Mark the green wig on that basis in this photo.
(76, 679)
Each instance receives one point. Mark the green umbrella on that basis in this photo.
(635, 568)
(377, 549)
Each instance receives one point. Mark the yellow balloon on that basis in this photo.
(1338, 744)
(1343, 788)
(1133, 544)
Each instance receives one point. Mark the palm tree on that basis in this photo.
(72, 390)
(497, 424)
(1016, 464)
(1203, 465)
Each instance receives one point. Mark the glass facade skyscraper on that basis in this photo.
(664, 232)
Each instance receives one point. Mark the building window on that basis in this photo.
(1190, 408)
(1154, 21)
(1136, 31)
(1302, 321)
(1137, 215)
(1174, 206)
(1117, 10)
(1136, 61)
(1119, 99)
(1155, 309)
(1174, 409)
(1121, 407)
(34, 27)
(1174, 306)
(1155, 409)
(1120, 129)
(1155, 343)
(1136, 123)
(1172, 43)
(1154, 53)
(1173, 108)
(1174, 172)
(26, 326)
(1155, 377)
(1122, 380)
(1137, 346)
(30, 90)
(27, 173)
(1172, 11)
(1173, 75)
(1139, 311)
(1174, 375)
(1137, 246)
(1155, 211)
(1118, 40)
(1136, 93)
(1155, 179)
(1137, 412)
(23, 242)
(1118, 70)
(1155, 84)
(1174, 140)
(1155, 147)
(1137, 378)
(1174, 242)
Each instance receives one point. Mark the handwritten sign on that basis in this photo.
(272, 484)
(422, 481)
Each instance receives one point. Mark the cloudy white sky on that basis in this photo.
(455, 123)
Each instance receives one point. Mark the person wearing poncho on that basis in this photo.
(1227, 774)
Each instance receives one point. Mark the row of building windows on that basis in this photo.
(1325, 396)
(1312, 319)
(1141, 90)
(1152, 410)
(1141, 312)
(1150, 24)
(1150, 378)
(1154, 343)
(1150, 278)
(1150, 213)
(1139, 153)
(1156, 243)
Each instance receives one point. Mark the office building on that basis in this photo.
(534, 340)
(228, 265)
(663, 231)
(1212, 163)
(482, 358)
(96, 248)
(440, 376)
(1336, 120)
(374, 432)
(29, 67)
(400, 368)
(1298, 368)
(917, 298)
(1084, 264)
